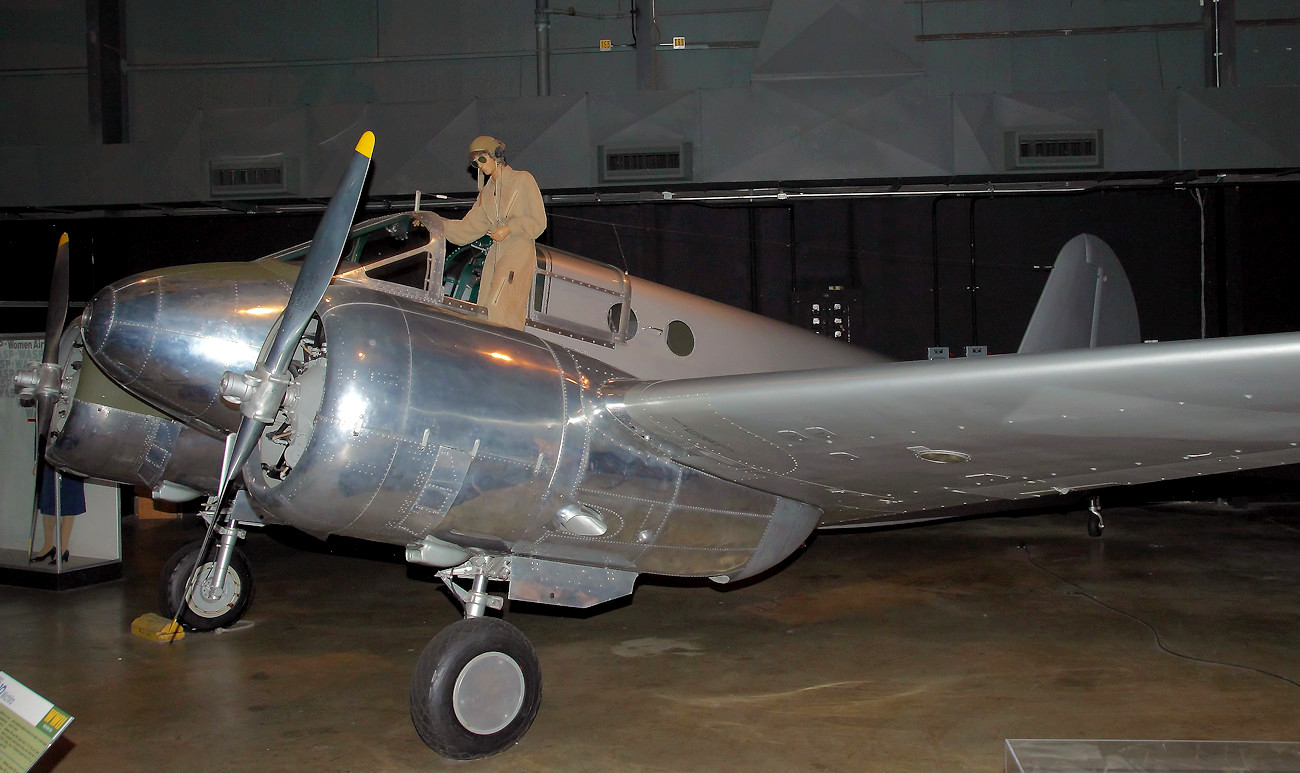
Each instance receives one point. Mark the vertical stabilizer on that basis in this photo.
(1087, 302)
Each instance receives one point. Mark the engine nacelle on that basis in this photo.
(100, 431)
(418, 424)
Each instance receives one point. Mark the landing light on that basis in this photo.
(500, 356)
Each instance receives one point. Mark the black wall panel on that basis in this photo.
(947, 270)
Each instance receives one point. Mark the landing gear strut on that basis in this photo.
(218, 593)
(478, 685)
(209, 604)
(1095, 524)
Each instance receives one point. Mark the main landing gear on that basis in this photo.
(1095, 524)
(478, 685)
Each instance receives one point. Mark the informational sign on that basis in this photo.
(17, 443)
(15, 354)
(679, 42)
(606, 45)
(98, 534)
(29, 725)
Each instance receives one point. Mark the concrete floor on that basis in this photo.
(909, 650)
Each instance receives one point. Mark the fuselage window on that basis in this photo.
(615, 314)
(681, 341)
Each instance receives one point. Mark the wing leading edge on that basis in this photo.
(883, 443)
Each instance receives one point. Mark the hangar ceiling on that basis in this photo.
(779, 97)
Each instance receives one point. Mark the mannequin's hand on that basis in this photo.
(500, 232)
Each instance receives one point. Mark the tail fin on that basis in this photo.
(1087, 302)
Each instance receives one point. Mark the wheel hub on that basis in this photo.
(489, 693)
(207, 604)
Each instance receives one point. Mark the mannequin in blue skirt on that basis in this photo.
(72, 497)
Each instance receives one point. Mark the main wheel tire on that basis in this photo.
(476, 689)
(201, 613)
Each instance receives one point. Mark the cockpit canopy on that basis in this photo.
(406, 255)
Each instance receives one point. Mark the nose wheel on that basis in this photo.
(208, 605)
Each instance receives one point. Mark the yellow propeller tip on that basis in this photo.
(367, 144)
(63, 240)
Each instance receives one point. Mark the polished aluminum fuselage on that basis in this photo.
(410, 421)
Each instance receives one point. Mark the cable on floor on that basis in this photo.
(1159, 643)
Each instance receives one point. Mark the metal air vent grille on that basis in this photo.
(1054, 150)
(245, 177)
(641, 164)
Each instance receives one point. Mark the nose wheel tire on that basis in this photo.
(205, 610)
(476, 689)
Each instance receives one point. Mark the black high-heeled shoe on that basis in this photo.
(65, 557)
(47, 554)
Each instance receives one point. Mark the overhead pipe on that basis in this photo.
(543, 49)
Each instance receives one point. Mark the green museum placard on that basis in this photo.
(29, 724)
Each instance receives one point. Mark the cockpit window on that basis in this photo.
(380, 241)
(395, 251)
(394, 239)
(403, 272)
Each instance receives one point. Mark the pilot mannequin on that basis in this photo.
(509, 207)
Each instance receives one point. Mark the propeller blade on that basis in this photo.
(57, 312)
(55, 315)
(313, 279)
(322, 259)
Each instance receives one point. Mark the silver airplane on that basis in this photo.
(350, 386)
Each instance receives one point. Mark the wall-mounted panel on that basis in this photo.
(422, 27)
(44, 110)
(717, 68)
(1238, 128)
(608, 72)
(41, 35)
(1268, 56)
(160, 32)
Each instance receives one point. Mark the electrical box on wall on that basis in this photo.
(835, 311)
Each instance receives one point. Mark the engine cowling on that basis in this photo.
(418, 424)
(100, 431)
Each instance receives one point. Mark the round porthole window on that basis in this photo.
(681, 341)
(615, 312)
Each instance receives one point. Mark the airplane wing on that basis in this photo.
(886, 443)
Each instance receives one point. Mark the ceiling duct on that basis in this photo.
(253, 176)
(644, 163)
(1054, 150)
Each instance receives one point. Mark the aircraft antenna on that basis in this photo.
(619, 242)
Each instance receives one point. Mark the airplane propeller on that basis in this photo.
(40, 383)
(260, 391)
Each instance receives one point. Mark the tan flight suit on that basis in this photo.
(510, 198)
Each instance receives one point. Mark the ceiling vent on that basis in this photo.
(644, 164)
(252, 177)
(1054, 150)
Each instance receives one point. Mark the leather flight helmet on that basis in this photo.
(490, 145)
